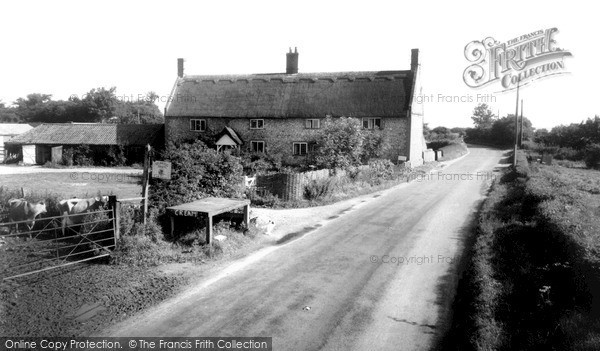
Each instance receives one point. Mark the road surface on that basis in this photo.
(380, 277)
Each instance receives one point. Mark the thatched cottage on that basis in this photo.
(280, 112)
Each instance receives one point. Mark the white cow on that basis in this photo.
(23, 210)
(79, 207)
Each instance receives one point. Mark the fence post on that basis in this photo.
(116, 216)
(146, 181)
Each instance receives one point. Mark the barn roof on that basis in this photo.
(91, 134)
(278, 95)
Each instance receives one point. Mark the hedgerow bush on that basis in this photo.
(592, 156)
(196, 172)
(380, 170)
(261, 163)
(453, 151)
(319, 188)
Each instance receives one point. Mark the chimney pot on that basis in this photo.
(180, 67)
(414, 59)
(292, 62)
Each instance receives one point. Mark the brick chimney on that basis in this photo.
(292, 62)
(414, 59)
(180, 67)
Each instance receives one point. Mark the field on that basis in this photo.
(75, 182)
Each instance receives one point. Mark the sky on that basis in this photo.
(66, 48)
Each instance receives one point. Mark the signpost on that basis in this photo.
(161, 170)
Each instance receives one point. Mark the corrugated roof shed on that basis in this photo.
(304, 95)
(91, 134)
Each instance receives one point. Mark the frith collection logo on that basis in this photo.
(516, 62)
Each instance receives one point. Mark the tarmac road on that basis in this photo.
(380, 277)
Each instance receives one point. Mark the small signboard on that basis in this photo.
(161, 170)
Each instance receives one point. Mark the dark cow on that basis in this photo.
(23, 210)
(79, 207)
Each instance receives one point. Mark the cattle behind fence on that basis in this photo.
(94, 237)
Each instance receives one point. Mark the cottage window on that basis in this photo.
(257, 146)
(313, 124)
(198, 125)
(257, 123)
(372, 123)
(300, 149)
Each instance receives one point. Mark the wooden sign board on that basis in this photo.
(161, 170)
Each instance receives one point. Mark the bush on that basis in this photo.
(438, 144)
(261, 163)
(453, 151)
(115, 156)
(380, 170)
(264, 198)
(319, 188)
(197, 172)
(567, 153)
(67, 156)
(592, 156)
(340, 143)
(82, 156)
(522, 169)
(376, 143)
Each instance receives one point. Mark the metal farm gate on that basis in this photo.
(44, 247)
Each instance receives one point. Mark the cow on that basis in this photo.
(23, 210)
(79, 208)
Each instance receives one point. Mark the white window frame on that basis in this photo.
(370, 122)
(254, 143)
(311, 122)
(260, 123)
(300, 144)
(202, 124)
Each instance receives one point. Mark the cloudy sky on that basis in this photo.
(69, 47)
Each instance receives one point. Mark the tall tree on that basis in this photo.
(483, 117)
(340, 143)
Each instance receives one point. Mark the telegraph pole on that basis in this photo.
(521, 134)
(516, 125)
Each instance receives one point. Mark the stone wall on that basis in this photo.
(279, 134)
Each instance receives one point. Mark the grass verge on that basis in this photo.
(533, 278)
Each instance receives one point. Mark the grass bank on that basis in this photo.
(533, 278)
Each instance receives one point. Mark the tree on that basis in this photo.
(460, 131)
(8, 114)
(483, 118)
(503, 130)
(197, 172)
(100, 103)
(340, 143)
(32, 108)
(140, 111)
(426, 131)
(376, 143)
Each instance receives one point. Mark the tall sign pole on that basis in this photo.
(516, 126)
(521, 135)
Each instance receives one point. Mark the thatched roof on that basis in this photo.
(305, 95)
(91, 134)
